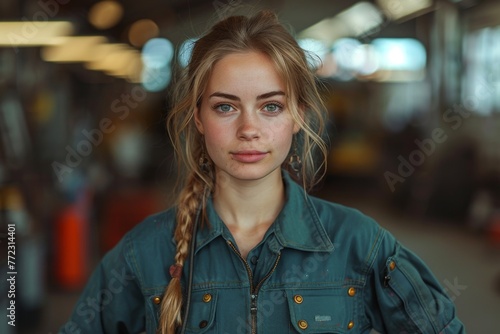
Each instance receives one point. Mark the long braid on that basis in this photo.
(189, 201)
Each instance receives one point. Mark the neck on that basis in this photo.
(250, 204)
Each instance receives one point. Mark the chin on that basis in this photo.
(250, 173)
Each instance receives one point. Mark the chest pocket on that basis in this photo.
(322, 310)
(202, 312)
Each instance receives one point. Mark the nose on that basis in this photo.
(248, 128)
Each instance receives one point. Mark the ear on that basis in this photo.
(197, 121)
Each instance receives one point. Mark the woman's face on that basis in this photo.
(244, 117)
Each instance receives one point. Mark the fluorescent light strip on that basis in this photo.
(73, 49)
(32, 33)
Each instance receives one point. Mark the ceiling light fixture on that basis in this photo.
(33, 33)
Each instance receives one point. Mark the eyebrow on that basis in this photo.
(236, 98)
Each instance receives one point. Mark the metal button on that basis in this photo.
(298, 299)
(207, 297)
(157, 300)
(350, 325)
(302, 324)
(351, 292)
(392, 265)
(203, 324)
(254, 260)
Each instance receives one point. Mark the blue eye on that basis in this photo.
(273, 108)
(224, 108)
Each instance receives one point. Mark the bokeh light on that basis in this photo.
(141, 31)
(185, 51)
(105, 14)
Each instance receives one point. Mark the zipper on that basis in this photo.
(254, 291)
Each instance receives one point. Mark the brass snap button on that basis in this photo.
(351, 292)
(392, 265)
(203, 324)
(298, 299)
(207, 297)
(302, 324)
(350, 325)
(157, 300)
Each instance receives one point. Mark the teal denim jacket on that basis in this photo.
(321, 268)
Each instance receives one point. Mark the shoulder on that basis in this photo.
(337, 217)
(350, 229)
(156, 232)
(156, 226)
(149, 247)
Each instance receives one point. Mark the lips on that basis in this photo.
(248, 156)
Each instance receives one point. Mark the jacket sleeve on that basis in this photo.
(112, 301)
(405, 297)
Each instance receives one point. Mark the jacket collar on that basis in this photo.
(298, 225)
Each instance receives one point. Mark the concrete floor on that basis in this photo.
(458, 257)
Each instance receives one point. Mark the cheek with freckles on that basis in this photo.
(216, 141)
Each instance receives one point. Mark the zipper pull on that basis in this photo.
(387, 278)
(253, 303)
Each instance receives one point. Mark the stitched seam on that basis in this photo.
(130, 255)
(419, 295)
(370, 258)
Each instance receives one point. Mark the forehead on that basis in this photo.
(245, 71)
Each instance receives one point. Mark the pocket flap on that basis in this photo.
(321, 311)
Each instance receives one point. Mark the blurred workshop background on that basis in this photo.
(412, 88)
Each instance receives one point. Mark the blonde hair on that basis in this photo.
(261, 33)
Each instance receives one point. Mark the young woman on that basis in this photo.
(246, 250)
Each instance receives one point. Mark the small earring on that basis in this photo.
(204, 162)
(294, 162)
